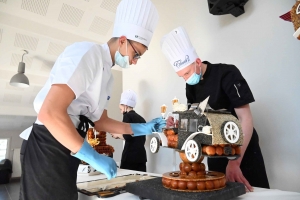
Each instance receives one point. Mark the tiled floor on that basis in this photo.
(10, 191)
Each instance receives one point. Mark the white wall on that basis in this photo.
(261, 45)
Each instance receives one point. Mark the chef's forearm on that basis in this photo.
(245, 118)
(63, 130)
(247, 128)
(112, 126)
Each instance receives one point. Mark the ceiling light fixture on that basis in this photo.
(19, 79)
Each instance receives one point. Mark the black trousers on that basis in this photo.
(252, 166)
(48, 169)
(133, 166)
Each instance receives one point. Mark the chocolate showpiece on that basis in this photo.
(207, 133)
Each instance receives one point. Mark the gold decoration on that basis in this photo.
(93, 142)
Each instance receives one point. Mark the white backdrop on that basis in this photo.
(261, 45)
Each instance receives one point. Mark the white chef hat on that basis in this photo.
(136, 19)
(178, 49)
(128, 98)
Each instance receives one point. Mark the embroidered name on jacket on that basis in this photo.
(178, 63)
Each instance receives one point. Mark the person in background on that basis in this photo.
(134, 155)
(227, 89)
(75, 95)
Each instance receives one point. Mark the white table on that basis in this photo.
(269, 194)
(258, 194)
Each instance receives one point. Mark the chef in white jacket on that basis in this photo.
(76, 95)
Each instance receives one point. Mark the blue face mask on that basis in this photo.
(122, 61)
(194, 78)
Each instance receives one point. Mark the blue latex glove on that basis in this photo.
(101, 163)
(155, 125)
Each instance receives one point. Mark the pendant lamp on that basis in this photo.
(19, 79)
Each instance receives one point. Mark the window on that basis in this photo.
(193, 125)
(183, 124)
(3, 148)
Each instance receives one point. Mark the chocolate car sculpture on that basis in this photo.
(201, 131)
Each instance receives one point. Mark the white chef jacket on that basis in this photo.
(86, 68)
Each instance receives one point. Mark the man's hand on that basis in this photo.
(155, 125)
(170, 122)
(101, 163)
(234, 174)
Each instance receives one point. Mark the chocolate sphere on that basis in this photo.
(168, 182)
(192, 174)
(191, 185)
(201, 173)
(163, 180)
(174, 184)
(216, 184)
(182, 185)
(238, 150)
(210, 150)
(181, 166)
(204, 149)
(232, 151)
(196, 167)
(201, 185)
(187, 167)
(219, 150)
(202, 167)
(209, 185)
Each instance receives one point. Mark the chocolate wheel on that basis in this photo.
(154, 145)
(230, 132)
(193, 151)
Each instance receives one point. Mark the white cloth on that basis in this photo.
(128, 98)
(136, 19)
(178, 49)
(86, 68)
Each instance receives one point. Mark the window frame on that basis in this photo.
(7, 147)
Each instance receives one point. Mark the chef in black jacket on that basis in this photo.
(227, 89)
(134, 155)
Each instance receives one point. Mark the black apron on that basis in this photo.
(48, 169)
(252, 165)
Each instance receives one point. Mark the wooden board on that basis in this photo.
(108, 188)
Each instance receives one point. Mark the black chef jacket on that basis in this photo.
(134, 149)
(228, 89)
(224, 84)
